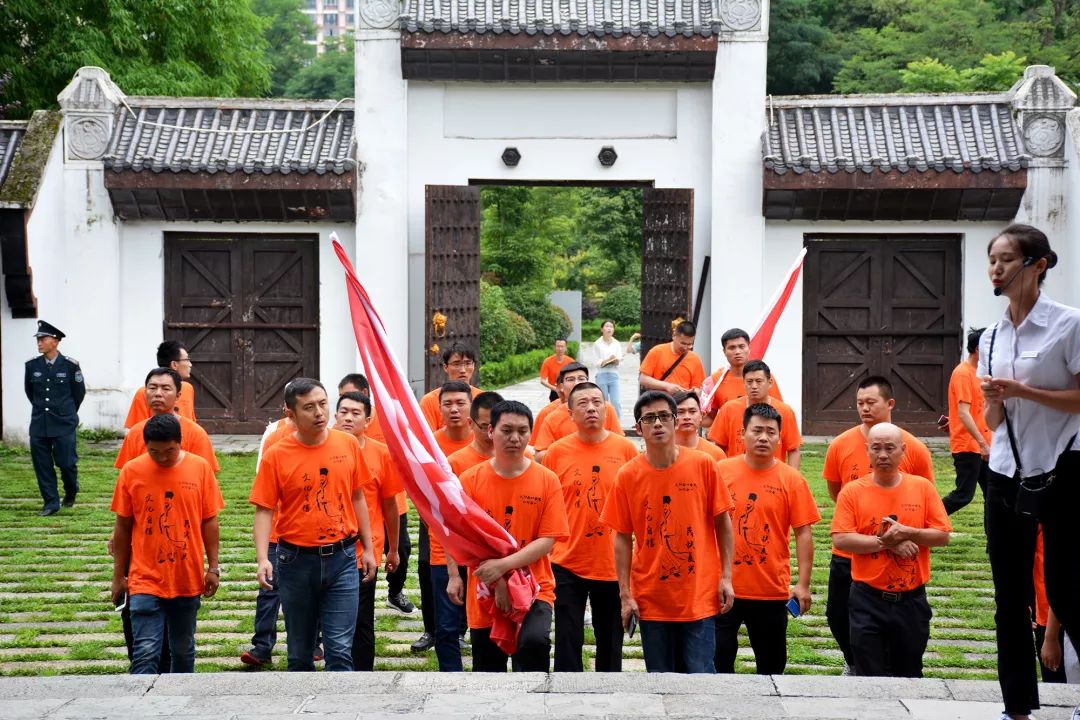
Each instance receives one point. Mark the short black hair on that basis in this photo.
(484, 401)
(757, 366)
(974, 335)
(162, 428)
(300, 386)
(880, 382)
(165, 371)
(684, 395)
(582, 386)
(733, 334)
(510, 407)
(169, 352)
(686, 329)
(764, 411)
(457, 349)
(355, 397)
(569, 368)
(650, 396)
(356, 379)
(455, 386)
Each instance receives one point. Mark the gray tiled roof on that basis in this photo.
(11, 134)
(892, 133)
(232, 135)
(582, 17)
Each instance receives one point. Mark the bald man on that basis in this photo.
(888, 521)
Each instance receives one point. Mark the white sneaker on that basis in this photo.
(1007, 716)
(848, 671)
(1076, 713)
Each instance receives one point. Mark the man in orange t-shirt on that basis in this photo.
(727, 429)
(846, 460)
(672, 503)
(558, 424)
(771, 500)
(459, 363)
(969, 435)
(312, 483)
(549, 369)
(888, 521)
(671, 367)
(584, 564)
(166, 503)
(688, 425)
(160, 390)
(525, 497)
(173, 355)
(736, 345)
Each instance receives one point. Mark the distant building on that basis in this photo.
(331, 18)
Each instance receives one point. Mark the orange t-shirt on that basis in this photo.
(541, 416)
(382, 483)
(586, 473)
(690, 373)
(727, 428)
(314, 486)
(672, 516)
(460, 461)
(860, 509)
(448, 445)
(768, 504)
(964, 387)
(529, 507)
(140, 408)
(169, 506)
(549, 369)
(558, 424)
(374, 429)
(1042, 604)
(709, 449)
(732, 387)
(192, 439)
(429, 406)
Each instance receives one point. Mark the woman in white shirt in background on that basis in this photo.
(609, 354)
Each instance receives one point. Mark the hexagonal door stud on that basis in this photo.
(511, 157)
(607, 156)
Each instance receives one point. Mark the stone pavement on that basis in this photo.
(404, 696)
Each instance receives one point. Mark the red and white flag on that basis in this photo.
(468, 533)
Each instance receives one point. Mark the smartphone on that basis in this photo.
(631, 627)
(123, 603)
(793, 607)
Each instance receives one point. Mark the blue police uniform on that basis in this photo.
(55, 391)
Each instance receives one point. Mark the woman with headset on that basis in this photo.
(1029, 363)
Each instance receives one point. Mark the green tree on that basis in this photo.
(330, 75)
(522, 230)
(994, 72)
(802, 50)
(287, 29)
(159, 47)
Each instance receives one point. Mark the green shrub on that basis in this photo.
(533, 304)
(515, 368)
(498, 337)
(623, 305)
(524, 335)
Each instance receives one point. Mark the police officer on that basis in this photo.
(55, 389)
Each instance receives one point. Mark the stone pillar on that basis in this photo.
(382, 250)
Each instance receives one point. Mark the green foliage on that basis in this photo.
(994, 72)
(286, 30)
(524, 335)
(623, 305)
(549, 322)
(330, 75)
(497, 336)
(803, 51)
(149, 47)
(515, 368)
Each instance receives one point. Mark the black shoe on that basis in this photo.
(424, 642)
(69, 501)
(46, 512)
(401, 603)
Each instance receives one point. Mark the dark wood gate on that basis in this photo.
(247, 307)
(880, 305)
(667, 255)
(451, 275)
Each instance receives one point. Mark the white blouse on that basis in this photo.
(1043, 352)
(604, 350)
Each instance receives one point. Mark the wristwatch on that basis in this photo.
(215, 571)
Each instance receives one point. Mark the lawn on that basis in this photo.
(55, 614)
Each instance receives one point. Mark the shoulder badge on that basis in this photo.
(72, 360)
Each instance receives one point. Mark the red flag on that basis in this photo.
(468, 533)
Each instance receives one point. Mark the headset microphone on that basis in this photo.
(1028, 262)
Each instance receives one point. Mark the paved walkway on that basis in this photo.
(325, 696)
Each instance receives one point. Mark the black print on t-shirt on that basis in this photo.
(677, 556)
(754, 532)
(173, 539)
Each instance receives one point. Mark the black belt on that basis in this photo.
(323, 550)
(888, 595)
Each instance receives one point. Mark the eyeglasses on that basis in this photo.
(482, 427)
(458, 364)
(651, 418)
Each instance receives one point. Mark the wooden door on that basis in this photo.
(451, 274)
(667, 255)
(247, 309)
(880, 305)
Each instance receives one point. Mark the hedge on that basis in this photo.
(515, 368)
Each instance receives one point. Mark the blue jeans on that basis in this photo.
(679, 646)
(267, 605)
(447, 622)
(148, 627)
(318, 589)
(609, 383)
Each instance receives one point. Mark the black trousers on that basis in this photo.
(423, 572)
(571, 593)
(363, 643)
(971, 471)
(44, 452)
(395, 581)
(888, 638)
(534, 644)
(766, 624)
(836, 606)
(1048, 675)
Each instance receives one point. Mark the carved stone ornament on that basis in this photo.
(1044, 135)
(740, 14)
(379, 13)
(88, 137)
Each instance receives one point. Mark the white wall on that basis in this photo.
(1063, 282)
(457, 133)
